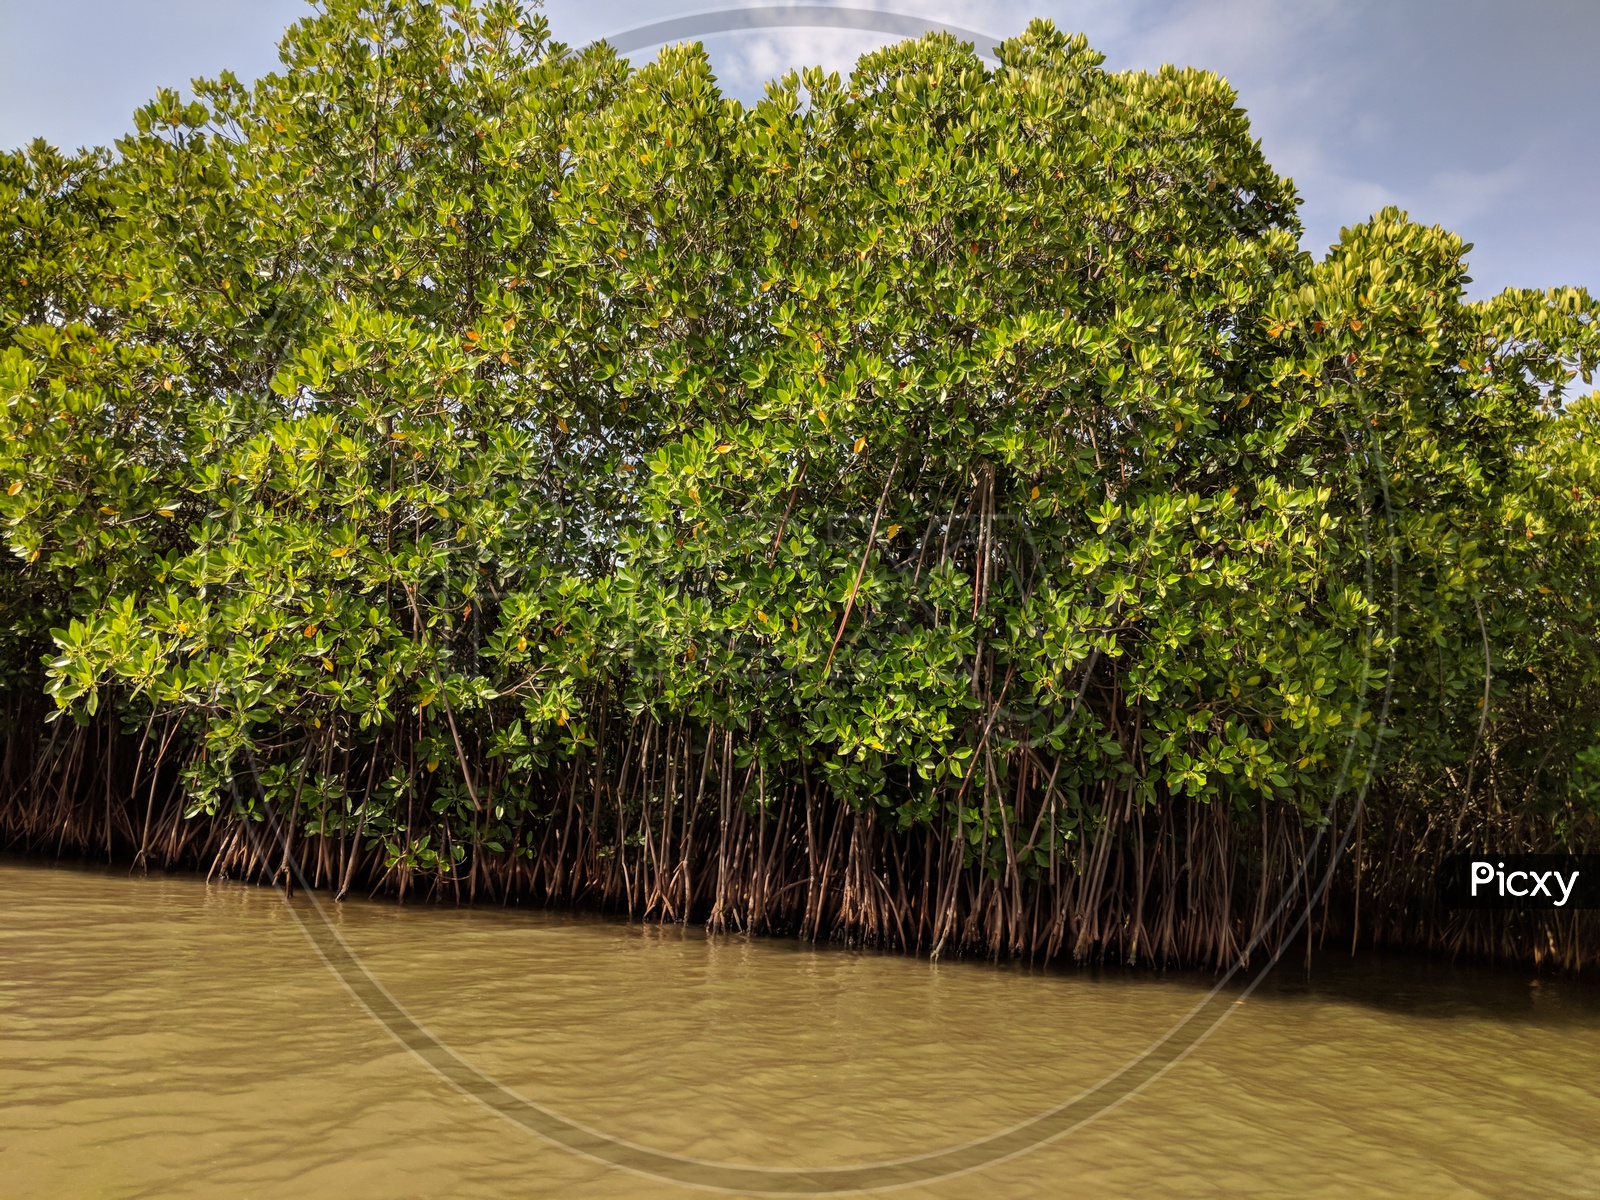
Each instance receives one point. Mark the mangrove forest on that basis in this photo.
(943, 508)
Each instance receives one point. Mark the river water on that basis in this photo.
(164, 1037)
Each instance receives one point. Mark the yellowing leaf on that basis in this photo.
(561, 422)
(16, 486)
(311, 631)
(861, 443)
(1033, 495)
(725, 447)
(164, 512)
(108, 510)
(327, 664)
(339, 551)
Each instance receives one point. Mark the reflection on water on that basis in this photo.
(163, 1037)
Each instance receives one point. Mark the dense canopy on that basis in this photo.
(941, 507)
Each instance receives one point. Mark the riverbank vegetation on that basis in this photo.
(941, 508)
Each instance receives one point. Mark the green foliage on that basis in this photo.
(451, 395)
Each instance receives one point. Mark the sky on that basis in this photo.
(1480, 115)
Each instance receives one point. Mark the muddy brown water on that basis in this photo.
(161, 1036)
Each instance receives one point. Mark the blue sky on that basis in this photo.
(1477, 114)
